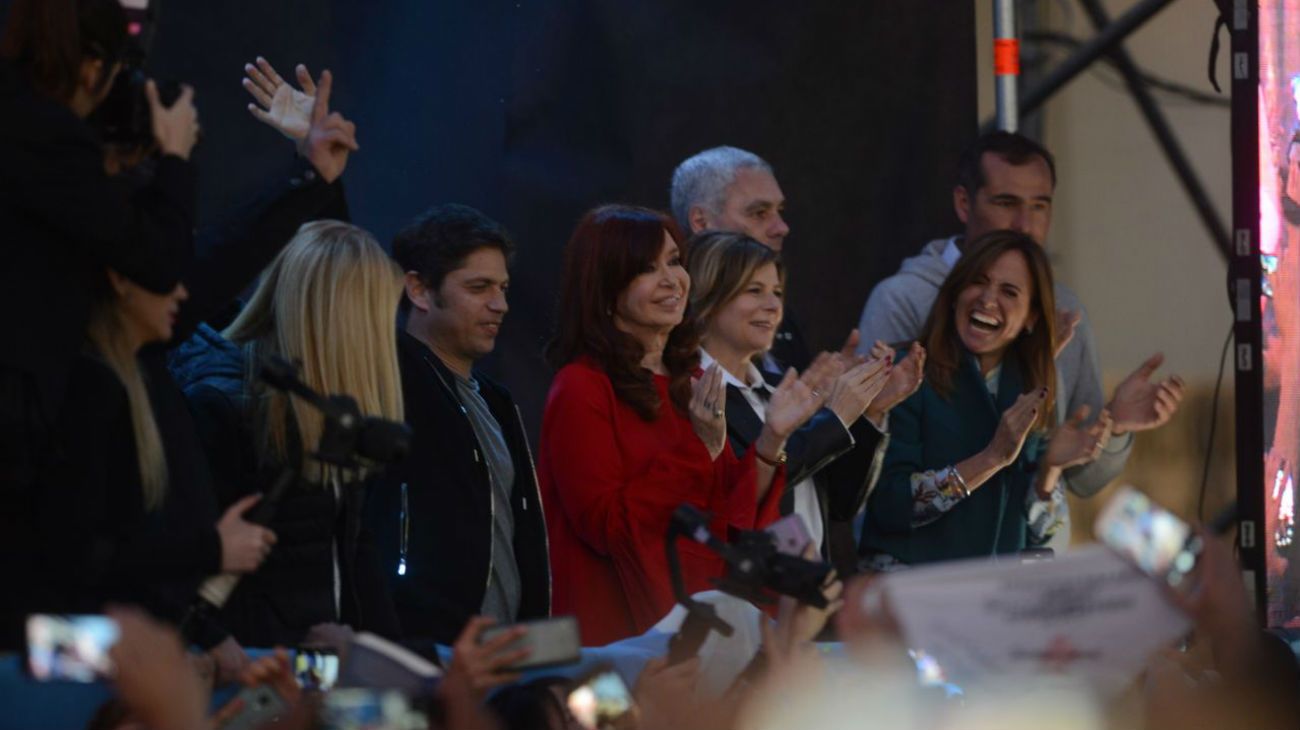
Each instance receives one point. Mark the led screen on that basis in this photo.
(1279, 228)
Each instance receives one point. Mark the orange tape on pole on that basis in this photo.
(1006, 57)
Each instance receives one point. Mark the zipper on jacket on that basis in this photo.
(492, 525)
(404, 529)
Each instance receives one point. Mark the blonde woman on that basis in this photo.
(328, 302)
(128, 538)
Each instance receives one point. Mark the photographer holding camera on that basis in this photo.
(65, 220)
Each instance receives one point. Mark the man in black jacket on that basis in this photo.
(459, 524)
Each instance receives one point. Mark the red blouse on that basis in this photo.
(610, 482)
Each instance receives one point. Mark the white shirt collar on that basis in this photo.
(752, 373)
(951, 253)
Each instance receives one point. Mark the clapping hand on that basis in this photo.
(1073, 443)
(791, 405)
(1141, 405)
(854, 391)
(708, 409)
(1014, 427)
(904, 379)
(279, 105)
(821, 373)
(1067, 321)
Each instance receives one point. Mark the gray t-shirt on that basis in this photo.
(501, 600)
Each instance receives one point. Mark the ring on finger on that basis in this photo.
(717, 413)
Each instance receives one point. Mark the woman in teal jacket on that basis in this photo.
(972, 469)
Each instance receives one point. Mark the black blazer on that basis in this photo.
(842, 469)
(446, 514)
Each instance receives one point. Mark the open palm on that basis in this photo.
(279, 105)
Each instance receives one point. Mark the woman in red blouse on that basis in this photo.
(628, 435)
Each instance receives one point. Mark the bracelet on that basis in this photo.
(953, 485)
(778, 461)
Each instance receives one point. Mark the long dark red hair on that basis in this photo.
(611, 246)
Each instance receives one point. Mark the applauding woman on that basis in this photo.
(737, 299)
(628, 436)
(969, 472)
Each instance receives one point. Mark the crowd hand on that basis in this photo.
(279, 105)
(229, 661)
(175, 127)
(153, 676)
(1014, 427)
(244, 545)
(868, 628)
(854, 391)
(665, 694)
(1067, 321)
(1141, 405)
(1074, 442)
(708, 409)
(806, 621)
(1215, 599)
(904, 379)
(479, 667)
(276, 672)
(330, 635)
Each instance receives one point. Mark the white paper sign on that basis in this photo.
(1086, 615)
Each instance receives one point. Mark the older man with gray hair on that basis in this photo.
(730, 189)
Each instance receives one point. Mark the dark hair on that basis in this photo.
(611, 246)
(1035, 351)
(1013, 147)
(440, 240)
(46, 40)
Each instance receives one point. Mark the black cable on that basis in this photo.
(1156, 82)
(1214, 421)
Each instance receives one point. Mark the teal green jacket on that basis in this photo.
(930, 432)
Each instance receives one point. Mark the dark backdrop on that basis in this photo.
(536, 110)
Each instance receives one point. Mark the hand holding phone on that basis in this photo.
(70, 648)
(550, 642)
(1151, 537)
(602, 701)
(791, 535)
(315, 669)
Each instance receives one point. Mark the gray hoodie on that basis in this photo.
(897, 309)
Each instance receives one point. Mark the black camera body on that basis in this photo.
(123, 118)
(756, 568)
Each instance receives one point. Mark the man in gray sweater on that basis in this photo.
(1006, 181)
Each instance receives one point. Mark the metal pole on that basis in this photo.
(1164, 134)
(1006, 63)
(1087, 53)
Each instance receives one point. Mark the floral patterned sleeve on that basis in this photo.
(934, 493)
(1044, 517)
